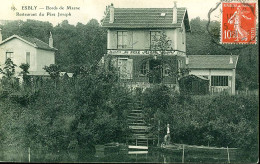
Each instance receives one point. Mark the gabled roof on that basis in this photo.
(147, 18)
(193, 76)
(212, 61)
(31, 41)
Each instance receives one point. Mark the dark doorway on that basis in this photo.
(155, 75)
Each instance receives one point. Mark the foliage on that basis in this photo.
(90, 109)
(161, 44)
(9, 82)
(25, 71)
(25, 68)
(9, 68)
(219, 121)
(53, 70)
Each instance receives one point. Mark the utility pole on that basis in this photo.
(29, 155)
(183, 154)
(158, 144)
(228, 155)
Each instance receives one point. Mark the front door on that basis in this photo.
(155, 75)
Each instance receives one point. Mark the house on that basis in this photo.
(29, 50)
(132, 37)
(220, 70)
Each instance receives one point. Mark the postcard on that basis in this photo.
(156, 81)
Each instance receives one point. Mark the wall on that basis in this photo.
(44, 58)
(181, 39)
(217, 72)
(141, 38)
(38, 58)
(19, 49)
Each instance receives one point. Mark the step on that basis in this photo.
(134, 117)
(141, 142)
(136, 114)
(139, 131)
(135, 110)
(137, 147)
(137, 152)
(136, 124)
(141, 136)
(138, 127)
(135, 120)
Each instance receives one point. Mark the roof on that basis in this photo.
(147, 18)
(212, 61)
(193, 76)
(31, 41)
(65, 73)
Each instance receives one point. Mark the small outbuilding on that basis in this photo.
(194, 85)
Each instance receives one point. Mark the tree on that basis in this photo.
(9, 81)
(25, 72)
(9, 69)
(54, 72)
(161, 45)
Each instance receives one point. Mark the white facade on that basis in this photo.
(208, 73)
(21, 51)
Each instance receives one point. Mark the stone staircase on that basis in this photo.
(138, 138)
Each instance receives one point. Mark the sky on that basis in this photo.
(94, 9)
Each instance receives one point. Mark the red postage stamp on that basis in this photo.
(238, 23)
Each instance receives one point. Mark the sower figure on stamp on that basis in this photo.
(236, 20)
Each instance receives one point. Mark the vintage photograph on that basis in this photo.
(129, 81)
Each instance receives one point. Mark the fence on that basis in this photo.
(247, 92)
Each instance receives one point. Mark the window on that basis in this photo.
(121, 39)
(28, 58)
(219, 80)
(154, 37)
(144, 68)
(9, 55)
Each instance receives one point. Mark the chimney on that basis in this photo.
(51, 40)
(174, 13)
(231, 59)
(1, 39)
(112, 13)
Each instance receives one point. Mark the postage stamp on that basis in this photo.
(238, 23)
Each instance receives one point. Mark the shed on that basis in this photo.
(194, 85)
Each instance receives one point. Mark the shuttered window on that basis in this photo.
(154, 38)
(122, 39)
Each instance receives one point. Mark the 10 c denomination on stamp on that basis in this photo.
(238, 23)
